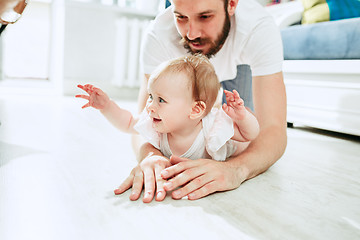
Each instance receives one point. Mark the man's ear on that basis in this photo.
(197, 109)
(232, 6)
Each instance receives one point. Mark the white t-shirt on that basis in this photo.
(254, 40)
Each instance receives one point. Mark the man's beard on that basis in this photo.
(214, 46)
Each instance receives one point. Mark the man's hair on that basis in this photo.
(225, 3)
(202, 78)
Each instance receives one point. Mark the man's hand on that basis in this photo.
(146, 174)
(199, 178)
(97, 98)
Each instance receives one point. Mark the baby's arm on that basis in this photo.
(246, 126)
(120, 118)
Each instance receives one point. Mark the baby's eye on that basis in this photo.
(150, 97)
(162, 100)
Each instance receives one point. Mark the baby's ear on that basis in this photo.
(197, 109)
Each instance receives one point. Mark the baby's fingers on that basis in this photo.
(235, 94)
(82, 96)
(86, 105)
(86, 97)
(82, 87)
(87, 88)
(227, 92)
(237, 98)
(229, 96)
(225, 107)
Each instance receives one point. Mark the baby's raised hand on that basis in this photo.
(97, 98)
(234, 108)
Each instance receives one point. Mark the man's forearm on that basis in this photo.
(262, 153)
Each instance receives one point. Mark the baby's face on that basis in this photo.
(170, 102)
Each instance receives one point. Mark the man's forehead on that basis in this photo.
(199, 7)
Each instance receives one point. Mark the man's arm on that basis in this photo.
(270, 106)
(204, 176)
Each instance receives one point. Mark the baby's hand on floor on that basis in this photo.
(97, 98)
(234, 108)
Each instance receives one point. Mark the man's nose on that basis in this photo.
(193, 31)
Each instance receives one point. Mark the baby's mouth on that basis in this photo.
(156, 120)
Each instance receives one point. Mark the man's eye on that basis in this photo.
(180, 18)
(204, 17)
(162, 100)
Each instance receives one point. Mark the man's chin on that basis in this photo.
(209, 52)
(201, 51)
(192, 50)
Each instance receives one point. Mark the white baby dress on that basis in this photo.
(214, 139)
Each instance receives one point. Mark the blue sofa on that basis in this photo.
(323, 41)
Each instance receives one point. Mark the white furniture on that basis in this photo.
(323, 94)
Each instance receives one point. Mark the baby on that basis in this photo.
(179, 118)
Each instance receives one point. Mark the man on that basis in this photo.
(10, 12)
(242, 42)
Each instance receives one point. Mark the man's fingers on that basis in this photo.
(193, 185)
(203, 191)
(187, 176)
(175, 159)
(175, 169)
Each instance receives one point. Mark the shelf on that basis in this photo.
(114, 8)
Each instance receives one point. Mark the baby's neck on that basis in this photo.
(180, 142)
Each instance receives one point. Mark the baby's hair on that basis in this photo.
(203, 80)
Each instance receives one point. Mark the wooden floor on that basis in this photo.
(59, 165)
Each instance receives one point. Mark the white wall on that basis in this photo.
(90, 43)
(263, 2)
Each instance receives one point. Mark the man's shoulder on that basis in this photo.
(163, 26)
(161, 41)
(250, 14)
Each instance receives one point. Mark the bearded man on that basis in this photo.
(244, 45)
